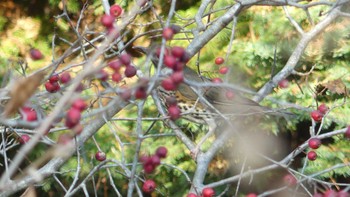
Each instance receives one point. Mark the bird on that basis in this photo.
(204, 104)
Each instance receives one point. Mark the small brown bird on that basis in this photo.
(204, 102)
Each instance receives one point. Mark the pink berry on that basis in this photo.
(107, 20)
(314, 143)
(169, 61)
(24, 139)
(162, 152)
(343, 193)
(323, 108)
(312, 155)
(116, 77)
(148, 168)
(125, 59)
(168, 84)
(208, 192)
(65, 77)
(289, 179)
(177, 77)
(155, 160)
(177, 51)
(149, 186)
(79, 104)
(192, 195)
(174, 112)
(168, 33)
(316, 115)
(115, 65)
(223, 70)
(178, 66)
(347, 133)
(217, 80)
(54, 78)
(115, 10)
(73, 117)
(284, 83)
(35, 54)
(100, 156)
(130, 71)
(219, 60)
(317, 195)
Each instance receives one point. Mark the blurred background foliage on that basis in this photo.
(258, 33)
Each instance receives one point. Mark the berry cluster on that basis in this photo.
(152, 161)
(52, 84)
(206, 192)
(332, 193)
(314, 143)
(318, 114)
(107, 20)
(116, 65)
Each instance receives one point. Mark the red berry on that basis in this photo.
(115, 65)
(125, 59)
(251, 195)
(52, 87)
(219, 60)
(24, 139)
(116, 77)
(230, 94)
(161, 152)
(174, 112)
(323, 108)
(130, 71)
(177, 77)
(223, 70)
(79, 104)
(289, 179)
(100, 156)
(169, 61)
(155, 160)
(192, 195)
(284, 83)
(64, 139)
(149, 186)
(216, 80)
(107, 20)
(185, 58)
(312, 155)
(35, 54)
(102, 75)
(208, 192)
(168, 33)
(314, 143)
(141, 93)
(148, 168)
(316, 115)
(65, 77)
(115, 10)
(347, 133)
(54, 78)
(73, 117)
(168, 84)
(28, 114)
(330, 193)
(177, 51)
